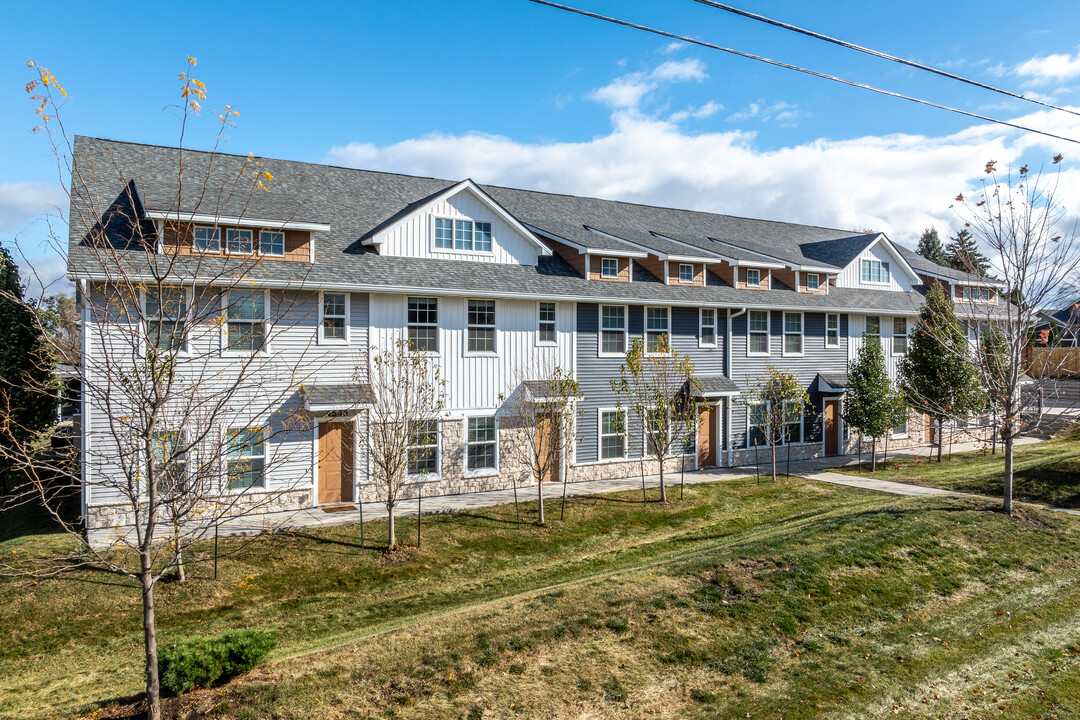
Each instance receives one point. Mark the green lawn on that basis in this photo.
(790, 599)
(1047, 473)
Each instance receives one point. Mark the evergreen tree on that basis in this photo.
(27, 387)
(936, 374)
(872, 406)
(962, 253)
(930, 247)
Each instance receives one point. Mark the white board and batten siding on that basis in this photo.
(415, 236)
(856, 328)
(475, 382)
(851, 276)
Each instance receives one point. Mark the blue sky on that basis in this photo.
(512, 93)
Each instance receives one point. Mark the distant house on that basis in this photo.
(1059, 327)
(489, 280)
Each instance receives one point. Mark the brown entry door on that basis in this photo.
(706, 436)
(335, 462)
(547, 448)
(832, 427)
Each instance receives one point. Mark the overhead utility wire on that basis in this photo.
(876, 53)
(777, 63)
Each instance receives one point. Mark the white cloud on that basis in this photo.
(898, 184)
(21, 202)
(1052, 68)
(779, 112)
(628, 91)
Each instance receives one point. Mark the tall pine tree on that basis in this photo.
(963, 254)
(27, 385)
(930, 247)
(936, 374)
(872, 406)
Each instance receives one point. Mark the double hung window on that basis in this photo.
(246, 320)
(424, 447)
(246, 452)
(612, 329)
(612, 434)
(758, 332)
(480, 444)
(423, 324)
(481, 330)
(656, 330)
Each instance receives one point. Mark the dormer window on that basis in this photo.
(609, 267)
(875, 271)
(238, 241)
(462, 235)
(207, 239)
(976, 294)
(813, 282)
(686, 273)
(753, 277)
(272, 243)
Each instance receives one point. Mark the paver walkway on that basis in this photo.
(813, 469)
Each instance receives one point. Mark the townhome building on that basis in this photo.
(496, 286)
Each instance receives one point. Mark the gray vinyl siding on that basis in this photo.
(816, 358)
(595, 374)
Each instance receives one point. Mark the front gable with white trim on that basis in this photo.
(467, 212)
(901, 276)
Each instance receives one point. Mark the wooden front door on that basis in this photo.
(547, 447)
(706, 436)
(832, 427)
(930, 429)
(335, 462)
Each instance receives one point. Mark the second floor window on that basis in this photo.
(207, 239)
(246, 320)
(238, 241)
(424, 448)
(873, 325)
(165, 314)
(793, 333)
(708, 326)
(899, 336)
(758, 331)
(480, 444)
(272, 243)
(609, 268)
(481, 326)
(423, 320)
(656, 329)
(546, 327)
(333, 321)
(612, 329)
(832, 330)
(246, 450)
(875, 271)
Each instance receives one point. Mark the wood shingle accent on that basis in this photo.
(179, 239)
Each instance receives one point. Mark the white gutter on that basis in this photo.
(238, 221)
(727, 371)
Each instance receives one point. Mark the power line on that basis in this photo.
(878, 54)
(777, 63)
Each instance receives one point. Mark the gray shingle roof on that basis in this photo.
(709, 385)
(832, 382)
(357, 202)
(921, 264)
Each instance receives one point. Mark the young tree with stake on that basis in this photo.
(872, 406)
(776, 401)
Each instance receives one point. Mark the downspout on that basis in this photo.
(727, 372)
(84, 403)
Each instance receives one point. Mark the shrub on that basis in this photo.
(201, 662)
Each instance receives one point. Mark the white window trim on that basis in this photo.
(438, 334)
(271, 232)
(866, 327)
(768, 335)
(319, 338)
(224, 469)
(427, 477)
(906, 335)
(900, 435)
(802, 334)
(645, 329)
(547, 343)
(600, 331)
(802, 428)
(600, 435)
(483, 472)
(207, 251)
(455, 251)
(746, 281)
(267, 327)
(609, 277)
(692, 273)
(702, 326)
(494, 328)
(144, 341)
(817, 281)
(827, 316)
(874, 282)
(251, 234)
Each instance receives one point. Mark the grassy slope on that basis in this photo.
(791, 598)
(1047, 473)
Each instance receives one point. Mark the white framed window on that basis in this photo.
(444, 233)
(272, 242)
(873, 326)
(334, 317)
(686, 273)
(813, 281)
(707, 331)
(482, 237)
(612, 329)
(423, 324)
(755, 425)
(207, 239)
(875, 271)
(976, 294)
(757, 332)
(609, 267)
(246, 453)
(757, 421)
(481, 327)
(792, 423)
(657, 329)
(753, 277)
(612, 434)
(832, 330)
(901, 430)
(481, 444)
(424, 448)
(899, 335)
(793, 333)
(168, 448)
(463, 239)
(166, 313)
(239, 241)
(546, 324)
(246, 321)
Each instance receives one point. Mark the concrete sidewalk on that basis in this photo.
(317, 517)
